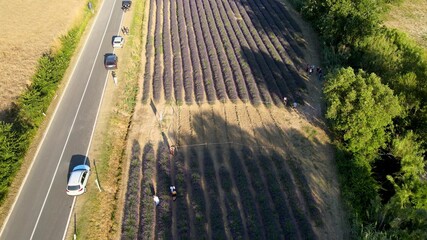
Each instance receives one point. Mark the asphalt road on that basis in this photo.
(43, 209)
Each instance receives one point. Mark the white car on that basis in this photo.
(78, 180)
(118, 41)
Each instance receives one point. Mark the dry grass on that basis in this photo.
(29, 28)
(410, 17)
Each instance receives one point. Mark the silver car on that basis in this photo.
(78, 180)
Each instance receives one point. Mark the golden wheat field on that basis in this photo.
(28, 29)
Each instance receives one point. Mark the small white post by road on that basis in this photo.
(97, 184)
(97, 178)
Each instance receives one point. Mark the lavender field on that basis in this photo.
(212, 50)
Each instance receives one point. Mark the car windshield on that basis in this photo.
(73, 188)
(110, 60)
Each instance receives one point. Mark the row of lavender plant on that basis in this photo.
(269, 217)
(167, 52)
(253, 220)
(233, 75)
(131, 208)
(177, 57)
(148, 53)
(164, 211)
(265, 40)
(285, 213)
(213, 57)
(183, 228)
(185, 53)
(158, 71)
(250, 58)
(197, 197)
(204, 59)
(265, 64)
(231, 43)
(290, 73)
(285, 33)
(195, 60)
(146, 210)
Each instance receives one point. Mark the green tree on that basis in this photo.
(342, 22)
(361, 109)
(408, 207)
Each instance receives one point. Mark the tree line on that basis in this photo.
(376, 94)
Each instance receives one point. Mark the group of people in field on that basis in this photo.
(319, 71)
(310, 70)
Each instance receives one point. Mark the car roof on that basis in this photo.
(75, 177)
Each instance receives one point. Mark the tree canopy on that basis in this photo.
(361, 109)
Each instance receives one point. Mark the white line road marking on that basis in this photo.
(72, 126)
(91, 136)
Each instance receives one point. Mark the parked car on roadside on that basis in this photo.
(78, 180)
(110, 61)
(126, 4)
(118, 41)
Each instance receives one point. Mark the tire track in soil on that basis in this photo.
(262, 112)
(186, 133)
(246, 129)
(253, 119)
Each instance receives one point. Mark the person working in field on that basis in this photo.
(173, 192)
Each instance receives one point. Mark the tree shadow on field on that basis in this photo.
(275, 189)
(279, 80)
(273, 17)
(289, 83)
(240, 186)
